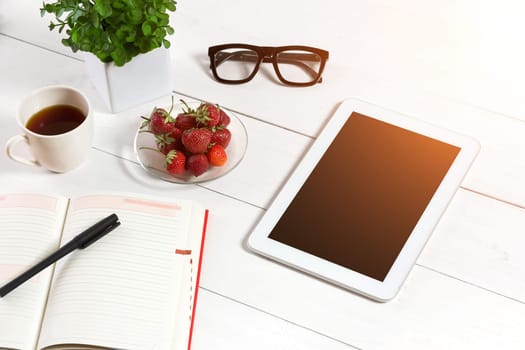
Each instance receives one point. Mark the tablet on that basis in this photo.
(360, 206)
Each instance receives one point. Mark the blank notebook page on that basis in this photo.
(30, 230)
(122, 291)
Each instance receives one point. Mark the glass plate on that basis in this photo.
(153, 161)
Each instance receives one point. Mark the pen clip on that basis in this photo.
(104, 227)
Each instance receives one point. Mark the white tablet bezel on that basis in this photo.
(259, 241)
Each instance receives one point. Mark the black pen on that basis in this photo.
(81, 241)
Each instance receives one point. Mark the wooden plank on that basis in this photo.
(481, 241)
(432, 311)
(221, 323)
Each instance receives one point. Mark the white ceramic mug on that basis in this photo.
(61, 152)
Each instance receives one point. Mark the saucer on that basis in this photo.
(153, 161)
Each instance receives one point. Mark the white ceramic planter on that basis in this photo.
(145, 78)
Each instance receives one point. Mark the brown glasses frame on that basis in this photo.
(268, 54)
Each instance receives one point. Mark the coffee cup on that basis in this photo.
(57, 126)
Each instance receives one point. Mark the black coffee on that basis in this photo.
(55, 120)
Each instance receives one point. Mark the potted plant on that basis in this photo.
(125, 45)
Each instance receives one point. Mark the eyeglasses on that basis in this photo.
(294, 65)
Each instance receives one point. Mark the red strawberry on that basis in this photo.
(197, 164)
(224, 119)
(185, 121)
(175, 162)
(166, 147)
(161, 121)
(217, 155)
(196, 140)
(176, 133)
(207, 114)
(221, 137)
(167, 142)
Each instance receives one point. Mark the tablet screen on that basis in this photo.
(365, 196)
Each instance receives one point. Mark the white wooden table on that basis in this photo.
(455, 63)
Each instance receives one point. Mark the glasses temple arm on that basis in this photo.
(312, 57)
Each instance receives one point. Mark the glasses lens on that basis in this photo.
(298, 66)
(235, 64)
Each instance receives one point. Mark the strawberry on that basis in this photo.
(166, 148)
(161, 121)
(207, 114)
(164, 145)
(196, 140)
(166, 142)
(224, 120)
(176, 133)
(217, 155)
(221, 137)
(185, 121)
(175, 162)
(197, 164)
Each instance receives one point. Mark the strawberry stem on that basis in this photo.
(188, 109)
(171, 108)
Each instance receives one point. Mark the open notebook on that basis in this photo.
(136, 288)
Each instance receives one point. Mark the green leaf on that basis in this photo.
(66, 42)
(117, 5)
(103, 7)
(95, 20)
(119, 56)
(146, 28)
(135, 16)
(153, 19)
(169, 30)
(130, 3)
(75, 37)
(164, 19)
(171, 6)
(166, 43)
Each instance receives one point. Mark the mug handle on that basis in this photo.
(9, 147)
